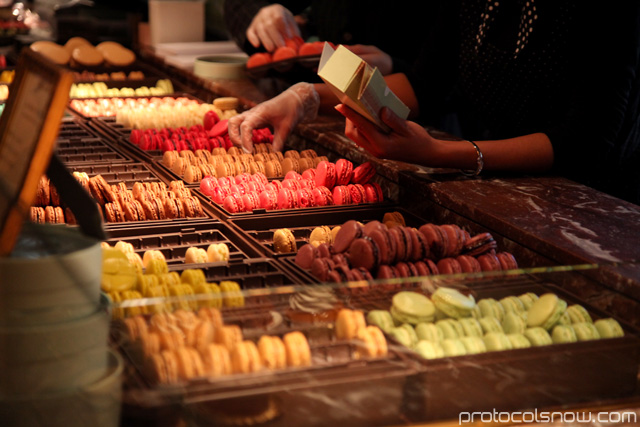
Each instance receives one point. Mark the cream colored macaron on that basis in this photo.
(87, 55)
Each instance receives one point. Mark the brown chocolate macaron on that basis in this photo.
(349, 231)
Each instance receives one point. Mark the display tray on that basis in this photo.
(173, 240)
(260, 228)
(310, 395)
(510, 380)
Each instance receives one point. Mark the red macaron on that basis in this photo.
(449, 266)
(326, 174)
(344, 170)
(322, 196)
(373, 192)
(489, 262)
(341, 195)
(287, 199)
(363, 173)
(268, 199)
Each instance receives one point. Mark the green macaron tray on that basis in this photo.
(511, 379)
(174, 239)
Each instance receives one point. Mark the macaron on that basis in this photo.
(363, 173)
(364, 253)
(344, 170)
(386, 243)
(518, 341)
(268, 199)
(348, 232)
(586, 331)
(479, 244)
(348, 322)
(284, 241)
(453, 347)
(497, 341)
(489, 307)
(320, 234)
(326, 174)
(341, 195)
(468, 264)
(546, 311)
(429, 331)
(449, 266)
(512, 304)
(513, 323)
(538, 336)
(412, 307)
(381, 319)
(528, 298)
(305, 256)
(322, 196)
(436, 238)
(474, 344)
(373, 192)
(490, 324)
(452, 302)
(577, 314)
(471, 327)
(357, 193)
(401, 335)
(287, 199)
(563, 334)
(429, 349)
(507, 261)
(489, 262)
(609, 328)
(449, 328)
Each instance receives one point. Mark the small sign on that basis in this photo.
(29, 128)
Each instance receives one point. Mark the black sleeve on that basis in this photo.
(599, 137)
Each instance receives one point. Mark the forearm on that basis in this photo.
(528, 153)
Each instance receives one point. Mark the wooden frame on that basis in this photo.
(29, 127)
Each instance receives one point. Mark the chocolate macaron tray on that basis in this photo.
(255, 357)
(473, 340)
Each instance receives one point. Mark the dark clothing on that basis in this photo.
(566, 68)
(391, 27)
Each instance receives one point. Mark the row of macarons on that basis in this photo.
(393, 249)
(101, 90)
(204, 346)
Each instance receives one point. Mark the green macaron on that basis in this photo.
(474, 344)
(429, 349)
(528, 298)
(497, 341)
(490, 324)
(563, 334)
(609, 328)
(412, 333)
(471, 327)
(453, 347)
(412, 307)
(538, 336)
(512, 304)
(381, 319)
(578, 314)
(519, 341)
(449, 328)
(453, 303)
(401, 335)
(546, 311)
(513, 323)
(429, 331)
(586, 331)
(489, 307)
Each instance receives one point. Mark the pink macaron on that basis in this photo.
(326, 174)
(344, 170)
(322, 196)
(287, 199)
(341, 195)
(268, 199)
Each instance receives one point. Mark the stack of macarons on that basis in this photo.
(313, 187)
(47, 206)
(389, 249)
(188, 344)
(101, 90)
(145, 201)
(451, 323)
(294, 47)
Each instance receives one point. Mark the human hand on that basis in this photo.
(297, 104)
(407, 141)
(374, 57)
(271, 26)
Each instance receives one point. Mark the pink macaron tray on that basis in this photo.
(286, 396)
(173, 240)
(535, 377)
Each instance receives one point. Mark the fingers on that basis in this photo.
(396, 123)
(363, 124)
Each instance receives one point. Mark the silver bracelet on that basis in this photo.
(479, 162)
